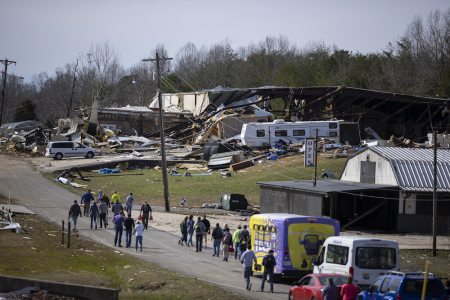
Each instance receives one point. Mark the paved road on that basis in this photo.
(52, 201)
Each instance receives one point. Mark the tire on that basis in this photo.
(58, 156)
(313, 298)
(291, 296)
(89, 155)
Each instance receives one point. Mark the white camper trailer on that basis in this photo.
(256, 135)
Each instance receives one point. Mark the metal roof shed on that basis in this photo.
(329, 198)
(410, 169)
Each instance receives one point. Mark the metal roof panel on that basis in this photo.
(413, 167)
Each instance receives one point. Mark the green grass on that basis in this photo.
(415, 260)
(43, 257)
(203, 189)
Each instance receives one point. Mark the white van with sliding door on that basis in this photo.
(364, 258)
(58, 150)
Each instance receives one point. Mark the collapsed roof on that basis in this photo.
(390, 113)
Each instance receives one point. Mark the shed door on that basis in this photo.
(367, 172)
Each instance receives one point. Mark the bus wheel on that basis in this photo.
(291, 296)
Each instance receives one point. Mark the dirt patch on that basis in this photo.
(150, 286)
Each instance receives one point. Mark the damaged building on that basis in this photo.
(132, 120)
(385, 113)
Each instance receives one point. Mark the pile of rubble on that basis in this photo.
(28, 138)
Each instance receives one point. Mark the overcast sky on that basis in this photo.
(42, 35)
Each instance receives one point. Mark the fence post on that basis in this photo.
(68, 235)
(62, 233)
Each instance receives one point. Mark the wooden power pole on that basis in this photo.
(161, 131)
(6, 62)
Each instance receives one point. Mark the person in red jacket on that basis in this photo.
(349, 291)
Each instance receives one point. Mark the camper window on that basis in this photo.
(332, 125)
(260, 133)
(332, 133)
(299, 132)
(280, 132)
(337, 255)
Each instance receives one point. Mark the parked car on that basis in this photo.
(58, 150)
(311, 286)
(404, 286)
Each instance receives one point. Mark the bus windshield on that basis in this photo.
(375, 258)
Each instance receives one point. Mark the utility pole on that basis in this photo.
(317, 150)
(6, 62)
(434, 192)
(161, 131)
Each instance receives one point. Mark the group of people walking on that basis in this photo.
(239, 243)
(99, 210)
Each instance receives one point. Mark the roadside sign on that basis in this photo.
(309, 153)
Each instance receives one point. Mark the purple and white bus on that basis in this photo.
(294, 239)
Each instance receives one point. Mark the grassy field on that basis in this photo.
(415, 260)
(43, 257)
(203, 189)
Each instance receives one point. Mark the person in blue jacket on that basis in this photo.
(86, 200)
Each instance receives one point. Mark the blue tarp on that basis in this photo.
(106, 171)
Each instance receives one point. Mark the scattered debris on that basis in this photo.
(212, 205)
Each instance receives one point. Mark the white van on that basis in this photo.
(364, 258)
(58, 150)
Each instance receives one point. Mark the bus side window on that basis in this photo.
(261, 235)
(268, 235)
(273, 233)
(278, 240)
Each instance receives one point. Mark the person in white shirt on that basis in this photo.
(138, 229)
(247, 258)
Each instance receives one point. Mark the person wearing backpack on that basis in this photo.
(227, 243)
(269, 264)
(243, 240)
(199, 228)
(146, 211)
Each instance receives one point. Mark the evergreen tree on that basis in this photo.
(25, 111)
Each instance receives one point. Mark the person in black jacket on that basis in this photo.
(244, 237)
(74, 212)
(216, 237)
(269, 264)
(129, 226)
(208, 228)
(146, 211)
